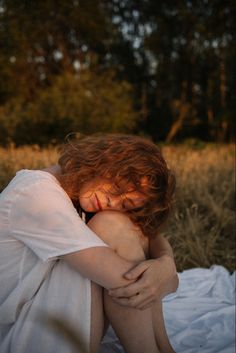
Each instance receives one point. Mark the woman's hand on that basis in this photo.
(154, 279)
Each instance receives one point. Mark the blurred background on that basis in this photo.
(160, 69)
(165, 69)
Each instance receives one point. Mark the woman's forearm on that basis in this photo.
(101, 265)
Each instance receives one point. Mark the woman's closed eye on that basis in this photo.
(127, 203)
(108, 201)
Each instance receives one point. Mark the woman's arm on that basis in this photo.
(101, 265)
(154, 278)
(106, 266)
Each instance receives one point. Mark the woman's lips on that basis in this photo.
(98, 202)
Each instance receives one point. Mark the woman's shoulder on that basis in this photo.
(34, 174)
(28, 177)
(29, 181)
(35, 191)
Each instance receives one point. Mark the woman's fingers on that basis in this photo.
(141, 300)
(146, 303)
(128, 291)
(137, 271)
(153, 279)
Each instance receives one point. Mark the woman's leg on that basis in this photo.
(133, 327)
(138, 331)
(159, 328)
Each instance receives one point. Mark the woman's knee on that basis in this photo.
(120, 233)
(114, 220)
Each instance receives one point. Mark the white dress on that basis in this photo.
(38, 224)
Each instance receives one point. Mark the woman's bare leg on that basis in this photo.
(138, 331)
(133, 327)
(159, 328)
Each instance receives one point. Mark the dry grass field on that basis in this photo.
(202, 226)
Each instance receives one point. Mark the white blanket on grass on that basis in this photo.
(200, 316)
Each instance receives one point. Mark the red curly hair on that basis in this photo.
(123, 160)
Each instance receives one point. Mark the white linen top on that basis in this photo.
(38, 224)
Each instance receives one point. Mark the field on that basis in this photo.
(201, 229)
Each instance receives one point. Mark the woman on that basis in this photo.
(55, 265)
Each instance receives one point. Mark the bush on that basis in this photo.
(87, 102)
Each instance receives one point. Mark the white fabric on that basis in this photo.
(38, 224)
(199, 317)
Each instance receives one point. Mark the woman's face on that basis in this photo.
(98, 195)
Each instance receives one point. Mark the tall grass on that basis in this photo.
(201, 229)
(28, 157)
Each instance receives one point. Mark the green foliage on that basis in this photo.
(86, 102)
(179, 58)
(42, 39)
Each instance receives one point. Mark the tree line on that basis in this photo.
(163, 69)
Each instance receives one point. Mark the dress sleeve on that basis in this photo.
(43, 217)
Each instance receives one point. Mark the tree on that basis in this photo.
(41, 39)
(188, 51)
(85, 102)
(178, 57)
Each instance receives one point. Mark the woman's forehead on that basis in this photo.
(122, 185)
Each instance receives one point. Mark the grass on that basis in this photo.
(201, 229)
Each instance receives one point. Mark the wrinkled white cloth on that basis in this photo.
(199, 317)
